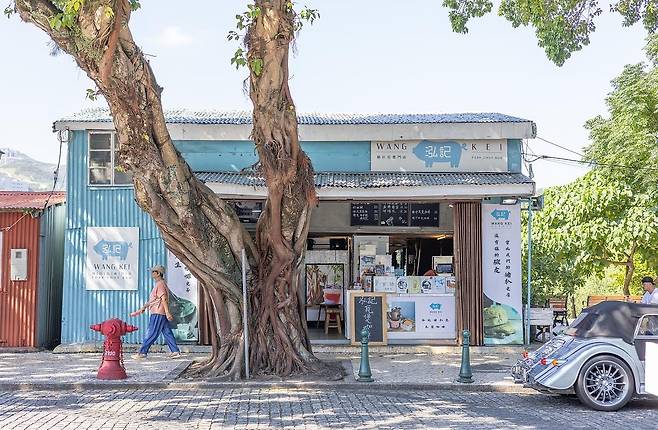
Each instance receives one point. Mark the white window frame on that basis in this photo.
(639, 336)
(113, 143)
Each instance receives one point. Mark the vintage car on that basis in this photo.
(601, 357)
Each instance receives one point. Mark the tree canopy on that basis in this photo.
(562, 27)
(610, 215)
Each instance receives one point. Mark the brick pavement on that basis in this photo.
(309, 409)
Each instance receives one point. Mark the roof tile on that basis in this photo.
(190, 116)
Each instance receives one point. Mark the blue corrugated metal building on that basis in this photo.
(356, 157)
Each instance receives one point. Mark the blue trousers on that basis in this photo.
(158, 324)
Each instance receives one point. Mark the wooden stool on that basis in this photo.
(334, 322)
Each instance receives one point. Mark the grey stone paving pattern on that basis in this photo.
(309, 409)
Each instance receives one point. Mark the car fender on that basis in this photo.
(564, 376)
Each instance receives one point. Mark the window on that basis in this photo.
(648, 326)
(104, 160)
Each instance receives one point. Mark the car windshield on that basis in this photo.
(584, 322)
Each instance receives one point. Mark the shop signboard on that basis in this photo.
(501, 274)
(368, 310)
(394, 214)
(421, 317)
(112, 258)
(183, 300)
(364, 214)
(424, 214)
(439, 155)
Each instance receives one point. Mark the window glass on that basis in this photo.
(100, 176)
(104, 161)
(100, 159)
(122, 178)
(100, 141)
(648, 326)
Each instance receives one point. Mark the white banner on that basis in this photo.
(501, 274)
(439, 155)
(184, 300)
(112, 258)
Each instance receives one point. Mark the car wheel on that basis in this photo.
(605, 383)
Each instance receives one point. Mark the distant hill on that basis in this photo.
(18, 172)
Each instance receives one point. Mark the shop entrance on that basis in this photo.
(337, 266)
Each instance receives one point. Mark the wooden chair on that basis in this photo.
(559, 306)
(332, 319)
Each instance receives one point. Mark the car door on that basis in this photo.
(646, 345)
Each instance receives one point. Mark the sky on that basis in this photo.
(361, 57)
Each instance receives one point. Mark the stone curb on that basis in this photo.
(205, 385)
(92, 347)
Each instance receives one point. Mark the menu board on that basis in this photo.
(368, 310)
(424, 215)
(365, 214)
(394, 214)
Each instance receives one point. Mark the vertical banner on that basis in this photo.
(501, 277)
(183, 300)
(112, 258)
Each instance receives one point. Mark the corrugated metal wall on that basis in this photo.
(99, 207)
(18, 298)
(51, 261)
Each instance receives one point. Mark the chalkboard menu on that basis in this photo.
(394, 214)
(424, 215)
(365, 214)
(368, 310)
(248, 211)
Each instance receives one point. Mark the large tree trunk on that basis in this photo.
(280, 339)
(197, 226)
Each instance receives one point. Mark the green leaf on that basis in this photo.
(257, 66)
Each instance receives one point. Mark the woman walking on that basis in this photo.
(158, 306)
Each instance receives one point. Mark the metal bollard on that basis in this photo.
(365, 375)
(465, 373)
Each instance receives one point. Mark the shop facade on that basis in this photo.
(410, 211)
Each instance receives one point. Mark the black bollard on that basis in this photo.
(365, 375)
(465, 373)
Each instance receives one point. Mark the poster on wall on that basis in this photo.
(324, 283)
(183, 300)
(439, 155)
(112, 258)
(501, 274)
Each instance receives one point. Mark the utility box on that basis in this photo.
(18, 265)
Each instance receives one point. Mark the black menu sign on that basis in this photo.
(424, 215)
(368, 311)
(394, 214)
(365, 214)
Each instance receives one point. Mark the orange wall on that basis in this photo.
(18, 299)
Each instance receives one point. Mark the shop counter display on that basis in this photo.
(421, 316)
(414, 316)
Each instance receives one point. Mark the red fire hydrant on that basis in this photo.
(112, 362)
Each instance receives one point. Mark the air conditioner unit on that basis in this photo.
(18, 265)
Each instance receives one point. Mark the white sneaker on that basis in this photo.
(139, 356)
(174, 355)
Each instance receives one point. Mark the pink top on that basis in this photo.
(156, 299)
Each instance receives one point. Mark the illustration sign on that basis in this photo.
(501, 274)
(439, 155)
(112, 258)
(421, 317)
(183, 300)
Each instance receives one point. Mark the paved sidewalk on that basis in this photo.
(412, 370)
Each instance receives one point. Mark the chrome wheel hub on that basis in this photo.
(606, 383)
